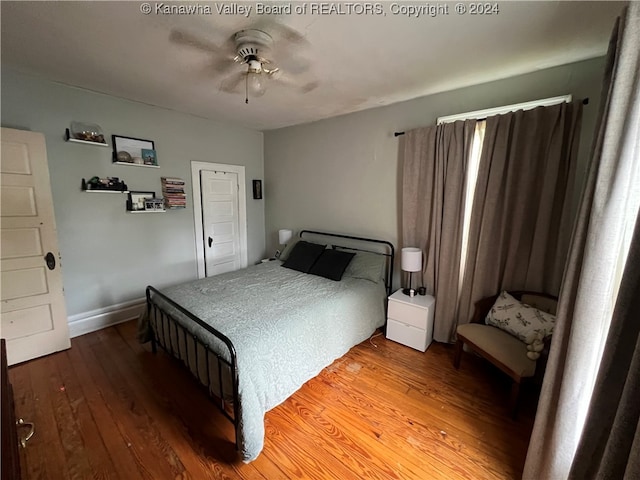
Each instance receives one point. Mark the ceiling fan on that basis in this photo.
(252, 52)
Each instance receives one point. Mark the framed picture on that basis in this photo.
(155, 204)
(257, 189)
(132, 150)
(136, 201)
(149, 157)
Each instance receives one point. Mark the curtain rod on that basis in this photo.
(585, 101)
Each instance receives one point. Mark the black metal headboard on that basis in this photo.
(386, 249)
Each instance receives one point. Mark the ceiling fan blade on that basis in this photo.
(232, 83)
(181, 37)
(308, 87)
(283, 38)
(292, 63)
(228, 47)
(222, 66)
(287, 45)
(282, 33)
(300, 86)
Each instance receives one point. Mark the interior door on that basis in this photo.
(33, 316)
(220, 221)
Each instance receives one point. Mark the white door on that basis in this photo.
(33, 315)
(220, 221)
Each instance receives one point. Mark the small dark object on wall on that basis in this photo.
(257, 189)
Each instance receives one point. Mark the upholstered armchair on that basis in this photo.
(502, 348)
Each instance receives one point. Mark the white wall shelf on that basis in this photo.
(105, 191)
(120, 184)
(146, 211)
(136, 164)
(69, 138)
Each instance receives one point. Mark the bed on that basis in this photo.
(254, 336)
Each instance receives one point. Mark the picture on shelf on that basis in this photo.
(149, 156)
(134, 150)
(155, 204)
(136, 201)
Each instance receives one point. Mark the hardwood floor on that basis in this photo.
(109, 408)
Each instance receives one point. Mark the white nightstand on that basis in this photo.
(410, 320)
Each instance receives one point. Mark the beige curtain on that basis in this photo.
(610, 444)
(588, 288)
(521, 215)
(434, 170)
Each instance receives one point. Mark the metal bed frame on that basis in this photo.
(163, 323)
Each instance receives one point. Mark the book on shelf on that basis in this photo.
(172, 181)
(173, 192)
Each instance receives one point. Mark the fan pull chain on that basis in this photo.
(246, 89)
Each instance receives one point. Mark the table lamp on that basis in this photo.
(284, 236)
(411, 262)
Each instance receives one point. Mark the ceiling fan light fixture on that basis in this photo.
(252, 52)
(256, 86)
(255, 66)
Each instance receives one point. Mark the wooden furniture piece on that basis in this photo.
(10, 455)
(410, 320)
(503, 350)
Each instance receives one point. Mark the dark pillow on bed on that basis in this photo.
(331, 264)
(303, 256)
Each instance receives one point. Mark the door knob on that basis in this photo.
(51, 260)
(27, 437)
(210, 242)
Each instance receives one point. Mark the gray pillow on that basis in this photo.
(288, 247)
(368, 266)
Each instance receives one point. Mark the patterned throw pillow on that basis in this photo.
(519, 319)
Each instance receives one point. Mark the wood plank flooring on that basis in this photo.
(110, 409)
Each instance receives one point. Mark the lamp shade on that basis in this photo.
(411, 259)
(284, 236)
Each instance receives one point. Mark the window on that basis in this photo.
(474, 161)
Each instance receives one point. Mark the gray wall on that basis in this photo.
(341, 174)
(109, 256)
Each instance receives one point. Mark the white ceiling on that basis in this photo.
(360, 61)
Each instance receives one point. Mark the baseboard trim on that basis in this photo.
(93, 320)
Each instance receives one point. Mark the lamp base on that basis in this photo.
(409, 291)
